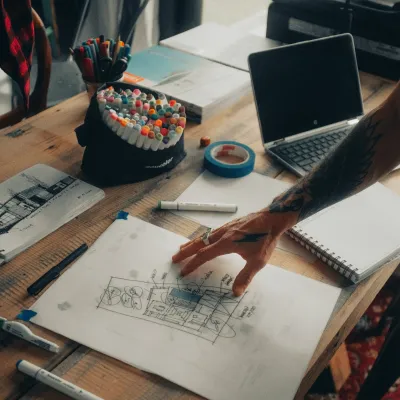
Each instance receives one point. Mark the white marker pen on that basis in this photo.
(134, 135)
(55, 381)
(23, 332)
(128, 131)
(117, 103)
(186, 206)
(102, 104)
(141, 138)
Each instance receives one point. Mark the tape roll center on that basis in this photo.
(230, 154)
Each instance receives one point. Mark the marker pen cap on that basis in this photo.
(171, 135)
(121, 128)
(117, 103)
(156, 129)
(158, 122)
(148, 141)
(154, 116)
(102, 104)
(179, 130)
(176, 116)
(172, 103)
(137, 92)
(164, 131)
(113, 119)
(27, 368)
(173, 121)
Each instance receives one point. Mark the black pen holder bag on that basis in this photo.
(110, 160)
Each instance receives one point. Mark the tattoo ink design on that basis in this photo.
(250, 238)
(337, 177)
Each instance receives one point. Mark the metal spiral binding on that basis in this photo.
(324, 253)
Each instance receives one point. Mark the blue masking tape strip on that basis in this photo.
(122, 215)
(26, 315)
(225, 169)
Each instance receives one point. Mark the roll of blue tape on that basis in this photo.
(225, 169)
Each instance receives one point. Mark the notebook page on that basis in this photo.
(362, 230)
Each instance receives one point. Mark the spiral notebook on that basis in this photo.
(355, 236)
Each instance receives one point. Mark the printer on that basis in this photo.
(375, 26)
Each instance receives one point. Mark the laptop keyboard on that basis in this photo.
(308, 152)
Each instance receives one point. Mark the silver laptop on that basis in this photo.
(308, 98)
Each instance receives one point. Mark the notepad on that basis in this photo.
(125, 299)
(38, 201)
(220, 43)
(357, 235)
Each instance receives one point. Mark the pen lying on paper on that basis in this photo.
(188, 206)
(23, 332)
(54, 272)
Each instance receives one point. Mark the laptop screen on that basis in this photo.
(305, 86)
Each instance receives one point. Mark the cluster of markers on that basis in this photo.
(141, 119)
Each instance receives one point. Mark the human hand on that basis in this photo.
(253, 237)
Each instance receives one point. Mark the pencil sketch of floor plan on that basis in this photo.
(204, 311)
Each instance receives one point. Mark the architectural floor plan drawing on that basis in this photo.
(23, 203)
(204, 311)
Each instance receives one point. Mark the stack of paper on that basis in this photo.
(202, 86)
(220, 43)
(36, 202)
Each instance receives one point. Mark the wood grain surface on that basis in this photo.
(49, 138)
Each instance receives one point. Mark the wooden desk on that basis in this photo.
(49, 138)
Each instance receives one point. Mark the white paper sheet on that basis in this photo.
(125, 299)
(250, 193)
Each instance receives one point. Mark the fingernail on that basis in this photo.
(238, 291)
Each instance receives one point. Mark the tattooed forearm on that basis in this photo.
(359, 161)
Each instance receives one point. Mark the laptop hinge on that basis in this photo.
(278, 142)
(322, 129)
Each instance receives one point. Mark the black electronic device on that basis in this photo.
(308, 97)
(374, 25)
